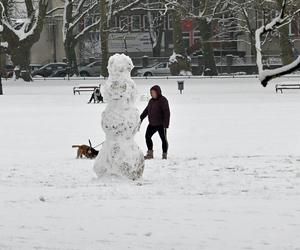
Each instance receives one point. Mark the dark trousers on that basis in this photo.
(151, 130)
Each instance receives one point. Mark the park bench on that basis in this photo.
(281, 87)
(84, 89)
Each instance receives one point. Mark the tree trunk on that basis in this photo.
(287, 55)
(157, 48)
(205, 28)
(71, 57)
(19, 49)
(21, 61)
(182, 63)
(252, 44)
(104, 35)
(2, 63)
(177, 33)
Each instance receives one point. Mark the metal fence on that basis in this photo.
(74, 79)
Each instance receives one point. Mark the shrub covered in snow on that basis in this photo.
(179, 65)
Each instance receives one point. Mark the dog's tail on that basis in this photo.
(75, 146)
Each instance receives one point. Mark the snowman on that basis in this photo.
(120, 155)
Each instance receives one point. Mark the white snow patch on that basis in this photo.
(4, 44)
(185, 73)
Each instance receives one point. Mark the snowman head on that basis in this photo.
(119, 65)
(120, 86)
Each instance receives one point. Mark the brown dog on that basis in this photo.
(87, 151)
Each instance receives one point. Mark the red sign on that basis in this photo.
(187, 25)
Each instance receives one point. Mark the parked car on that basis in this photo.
(35, 66)
(9, 69)
(159, 69)
(49, 69)
(60, 73)
(92, 69)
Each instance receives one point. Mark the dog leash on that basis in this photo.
(99, 144)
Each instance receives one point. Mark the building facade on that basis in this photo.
(131, 35)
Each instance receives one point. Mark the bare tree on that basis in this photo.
(282, 19)
(19, 37)
(156, 17)
(74, 13)
(1, 60)
(179, 62)
(108, 10)
(105, 14)
(245, 12)
(249, 13)
(287, 53)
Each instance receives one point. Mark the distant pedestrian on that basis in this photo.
(96, 96)
(158, 113)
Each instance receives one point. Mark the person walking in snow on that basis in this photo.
(158, 113)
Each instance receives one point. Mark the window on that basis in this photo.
(162, 65)
(260, 19)
(146, 22)
(123, 23)
(170, 22)
(114, 23)
(294, 27)
(88, 21)
(135, 23)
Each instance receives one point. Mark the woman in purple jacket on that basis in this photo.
(158, 113)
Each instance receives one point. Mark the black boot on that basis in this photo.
(165, 156)
(149, 155)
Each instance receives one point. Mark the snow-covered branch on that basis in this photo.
(87, 29)
(30, 24)
(125, 8)
(265, 75)
(54, 10)
(79, 7)
(82, 15)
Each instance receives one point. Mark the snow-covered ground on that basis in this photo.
(232, 180)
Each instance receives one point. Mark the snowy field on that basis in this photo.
(232, 180)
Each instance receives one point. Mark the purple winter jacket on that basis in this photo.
(157, 110)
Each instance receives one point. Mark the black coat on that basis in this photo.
(157, 110)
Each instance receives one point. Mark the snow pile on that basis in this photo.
(4, 44)
(185, 73)
(232, 174)
(120, 155)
